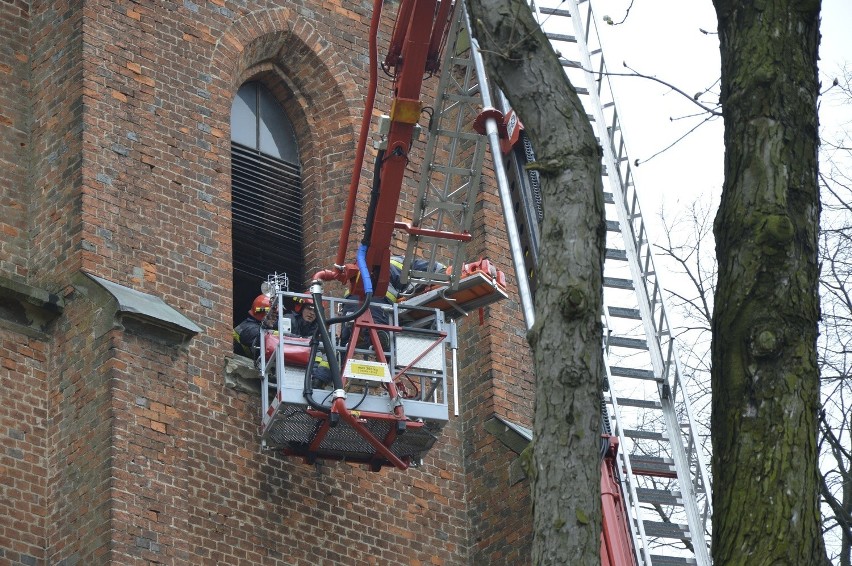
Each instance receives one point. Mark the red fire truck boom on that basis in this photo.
(419, 37)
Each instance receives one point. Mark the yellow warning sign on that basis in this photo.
(361, 368)
(367, 371)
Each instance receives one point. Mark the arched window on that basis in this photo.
(266, 195)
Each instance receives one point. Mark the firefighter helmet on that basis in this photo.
(259, 307)
(302, 302)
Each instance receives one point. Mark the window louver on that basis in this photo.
(266, 210)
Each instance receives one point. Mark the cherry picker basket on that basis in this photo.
(393, 403)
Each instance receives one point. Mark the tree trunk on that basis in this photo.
(566, 338)
(846, 543)
(765, 378)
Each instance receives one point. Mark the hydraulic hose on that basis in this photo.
(308, 391)
(374, 198)
(368, 289)
(333, 363)
(362, 138)
(366, 280)
(353, 315)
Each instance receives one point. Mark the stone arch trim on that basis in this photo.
(256, 35)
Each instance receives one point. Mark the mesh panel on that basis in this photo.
(294, 430)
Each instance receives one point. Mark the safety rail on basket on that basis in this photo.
(393, 370)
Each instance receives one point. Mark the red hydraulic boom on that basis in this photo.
(419, 36)
(415, 52)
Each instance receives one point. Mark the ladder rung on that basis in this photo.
(580, 90)
(555, 12)
(459, 135)
(661, 496)
(612, 226)
(652, 466)
(466, 98)
(621, 342)
(445, 239)
(632, 372)
(461, 171)
(608, 198)
(460, 60)
(561, 37)
(641, 403)
(658, 560)
(665, 530)
(434, 206)
(620, 312)
(616, 254)
(617, 283)
(573, 65)
(644, 434)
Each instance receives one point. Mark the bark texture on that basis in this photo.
(566, 339)
(764, 376)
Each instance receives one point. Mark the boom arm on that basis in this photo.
(418, 38)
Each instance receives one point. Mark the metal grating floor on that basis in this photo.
(294, 429)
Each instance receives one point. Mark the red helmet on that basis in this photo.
(259, 307)
(302, 302)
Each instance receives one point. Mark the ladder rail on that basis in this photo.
(650, 296)
(447, 189)
(502, 183)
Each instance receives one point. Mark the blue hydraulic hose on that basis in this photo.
(365, 272)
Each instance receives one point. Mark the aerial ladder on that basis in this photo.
(653, 436)
(390, 395)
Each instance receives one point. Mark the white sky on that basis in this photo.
(662, 38)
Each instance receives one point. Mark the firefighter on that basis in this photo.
(303, 319)
(395, 291)
(394, 294)
(303, 323)
(247, 333)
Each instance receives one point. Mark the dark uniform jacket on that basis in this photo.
(301, 327)
(247, 338)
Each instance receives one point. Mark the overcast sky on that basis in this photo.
(663, 38)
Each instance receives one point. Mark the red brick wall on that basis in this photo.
(80, 435)
(14, 143)
(56, 95)
(23, 465)
(22, 376)
(129, 448)
(40, 60)
(497, 379)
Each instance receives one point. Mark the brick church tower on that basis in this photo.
(122, 273)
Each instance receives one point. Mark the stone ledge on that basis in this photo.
(241, 375)
(517, 438)
(28, 309)
(135, 311)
